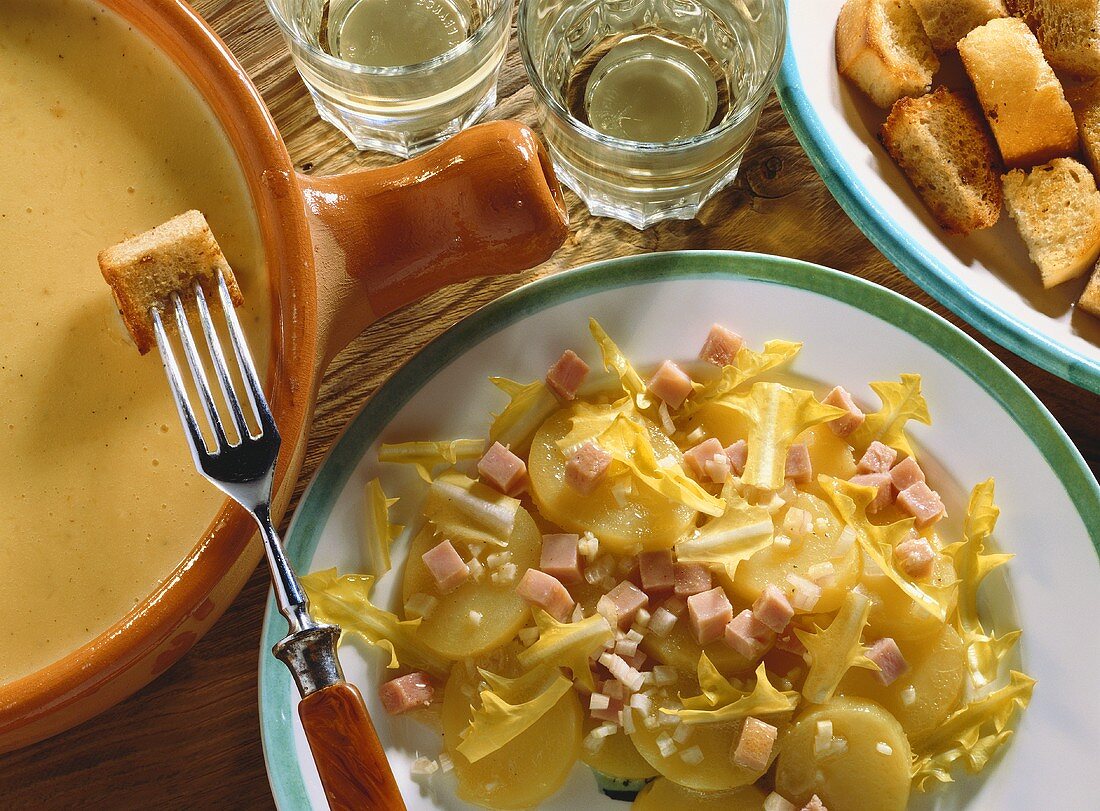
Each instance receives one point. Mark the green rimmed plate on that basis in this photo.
(658, 306)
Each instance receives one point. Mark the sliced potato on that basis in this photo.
(870, 774)
(829, 454)
(526, 770)
(617, 757)
(894, 613)
(680, 650)
(643, 518)
(922, 698)
(665, 795)
(449, 629)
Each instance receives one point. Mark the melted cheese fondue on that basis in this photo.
(102, 137)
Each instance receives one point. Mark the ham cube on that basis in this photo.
(691, 578)
(738, 454)
(887, 656)
(502, 469)
(710, 613)
(906, 473)
(799, 469)
(586, 468)
(884, 489)
(657, 570)
(696, 458)
(670, 384)
(773, 608)
(845, 425)
(620, 604)
(566, 375)
(878, 458)
(721, 346)
(922, 502)
(446, 567)
(749, 636)
(754, 747)
(406, 693)
(560, 558)
(546, 592)
(915, 557)
(814, 804)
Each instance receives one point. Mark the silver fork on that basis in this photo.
(349, 758)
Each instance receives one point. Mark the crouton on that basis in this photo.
(1090, 299)
(1085, 101)
(1068, 32)
(948, 21)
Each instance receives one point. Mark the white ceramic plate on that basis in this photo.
(985, 278)
(660, 306)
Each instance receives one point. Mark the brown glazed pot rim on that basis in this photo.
(189, 42)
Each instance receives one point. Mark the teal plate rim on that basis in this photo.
(907, 253)
(276, 728)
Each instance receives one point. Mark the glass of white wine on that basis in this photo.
(398, 75)
(647, 106)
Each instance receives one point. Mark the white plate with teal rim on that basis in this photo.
(660, 306)
(985, 278)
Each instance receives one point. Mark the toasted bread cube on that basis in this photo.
(882, 47)
(144, 271)
(942, 144)
(1057, 209)
(1068, 31)
(1085, 101)
(948, 21)
(1021, 97)
(1090, 299)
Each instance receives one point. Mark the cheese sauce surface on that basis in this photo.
(102, 137)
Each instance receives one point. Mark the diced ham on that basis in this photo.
(878, 458)
(906, 473)
(691, 578)
(586, 467)
(754, 747)
(845, 425)
(636, 660)
(446, 567)
(887, 656)
(738, 454)
(884, 489)
(560, 558)
(566, 375)
(773, 608)
(710, 613)
(671, 384)
(696, 458)
(749, 636)
(620, 604)
(721, 346)
(922, 502)
(657, 571)
(915, 557)
(814, 804)
(406, 693)
(718, 468)
(547, 593)
(502, 469)
(799, 468)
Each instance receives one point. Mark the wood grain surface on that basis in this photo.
(191, 739)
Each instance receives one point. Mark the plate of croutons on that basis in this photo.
(963, 137)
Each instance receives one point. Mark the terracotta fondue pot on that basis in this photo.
(341, 252)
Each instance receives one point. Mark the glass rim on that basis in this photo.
(468, 44)
(755, 100)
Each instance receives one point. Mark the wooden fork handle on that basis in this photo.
(350, 759)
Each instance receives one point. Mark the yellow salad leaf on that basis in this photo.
(378, 534)
(835, 649)
(430, 454)
(344, 600)
(777, 415)
(984, 652)
(615, 361)
(851, 502)
(736, 535)
(901, 402)
(567, 644)
(745, 367)
(972, 733)
(529, 405)
(589, 421)
(462, 509)
(722, 702)
(496, 721)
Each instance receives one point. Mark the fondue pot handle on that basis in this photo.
(484, 202)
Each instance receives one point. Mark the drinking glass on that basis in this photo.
(647, 106)
(387, 105)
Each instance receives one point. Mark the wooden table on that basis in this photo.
(191, 739)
